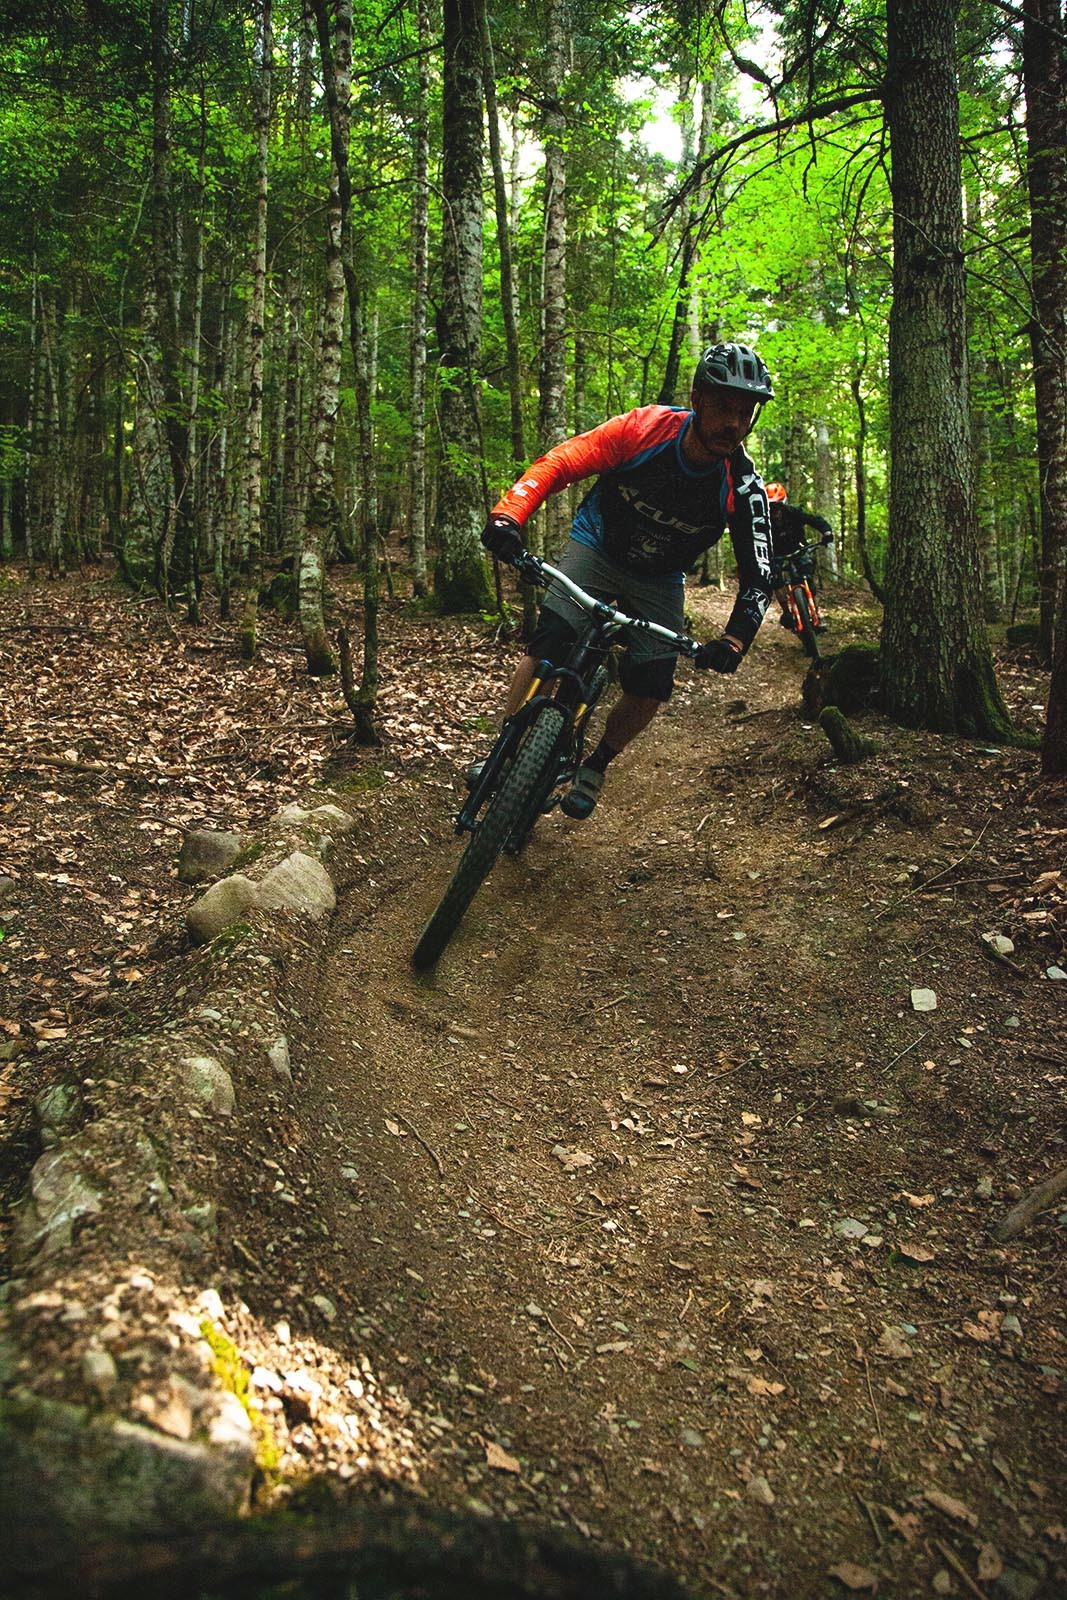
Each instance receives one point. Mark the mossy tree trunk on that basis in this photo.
(937, 669)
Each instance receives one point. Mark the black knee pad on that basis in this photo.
(653, 680)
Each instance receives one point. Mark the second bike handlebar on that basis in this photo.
(534, 570)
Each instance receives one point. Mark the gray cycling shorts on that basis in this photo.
(659, 600)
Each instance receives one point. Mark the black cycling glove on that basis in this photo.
(718, 654)
(502, 537)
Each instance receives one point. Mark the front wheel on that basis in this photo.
(807, 624)
(520, 793)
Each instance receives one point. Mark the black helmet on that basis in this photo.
(733, 366)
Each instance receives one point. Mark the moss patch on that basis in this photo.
(229, 1368)
(356, 780)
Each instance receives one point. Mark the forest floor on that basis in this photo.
(657, 1211)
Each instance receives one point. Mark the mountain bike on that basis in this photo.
(796, 569)
(537, 753)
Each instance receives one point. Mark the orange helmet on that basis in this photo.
(775, 491)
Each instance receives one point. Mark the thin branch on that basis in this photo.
(810, 113)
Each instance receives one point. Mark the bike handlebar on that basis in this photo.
(534, 570)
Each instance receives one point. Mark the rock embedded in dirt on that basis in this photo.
(758, 1489)
(207, 853)
(57, 1109)
(850, 1228)
(300, 884)
(278, 1057)
(225, 903)
(209, 1084)
(60, 1195)
(923, 1000)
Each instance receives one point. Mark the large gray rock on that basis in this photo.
(206, 853)
(70, 1479)
(209, 1084)
(300, 884)
(60, 1194)
(221, 906)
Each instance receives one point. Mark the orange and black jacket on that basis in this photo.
(653, 514)
(789, 528)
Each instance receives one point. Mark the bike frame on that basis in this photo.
(574, 692)
(796, 581)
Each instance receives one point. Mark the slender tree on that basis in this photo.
(253, 496)
(420, 265)
(552, 421)
(460, 578)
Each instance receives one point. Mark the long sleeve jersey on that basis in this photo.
(652, 513)
(788, 530)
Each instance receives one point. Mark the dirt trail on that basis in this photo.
(582, 1184)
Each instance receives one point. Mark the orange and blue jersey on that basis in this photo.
(652, 513)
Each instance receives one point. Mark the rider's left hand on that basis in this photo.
(721, 655)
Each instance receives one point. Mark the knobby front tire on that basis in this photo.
(807, 627)
(528, 779)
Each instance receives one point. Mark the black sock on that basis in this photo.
(600, 757)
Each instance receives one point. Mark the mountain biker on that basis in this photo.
(669, 481)
(787, 537)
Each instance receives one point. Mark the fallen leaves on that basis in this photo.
(956, 1509)
(572, 1160)
(920, 1253)
(853, 1576)
(500, 1461)
(892, 1344)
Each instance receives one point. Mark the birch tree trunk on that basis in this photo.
(337, 74)
(253, 492)
(937, 669)
(460, 577)
(321, 505)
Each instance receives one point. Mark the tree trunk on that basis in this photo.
(257, 314)
(824, 485)
(460, 578)
(176, 567)
(321, 510)
(936, 664)
(1045, 79)
(509, 307)
(553, 409)
(420, 271)
(861, 489)
(337, 75)
(1054, 745)
(508, 298)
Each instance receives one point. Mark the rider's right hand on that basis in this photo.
(502, 537)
